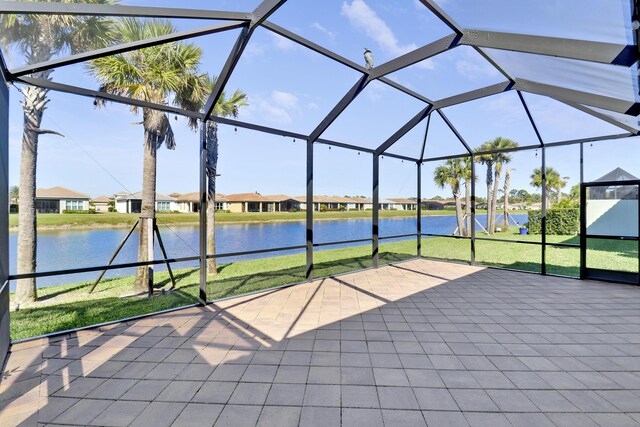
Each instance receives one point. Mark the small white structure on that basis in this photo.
(60, 199)
(132, 202)
(101, 204)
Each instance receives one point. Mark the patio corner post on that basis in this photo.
(543, 265)
(376, 211)
(309, 203)
(5, 338)
(203, 214)
(473, 210)
(419, 209)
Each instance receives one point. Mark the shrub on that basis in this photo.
(294, 210)
(323, 208)
(112, 209)
(564, 222)
(69, 211)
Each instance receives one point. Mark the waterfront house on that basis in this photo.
(256, 202)
(132, 202)
(60, 199)
(101, 204)
(400, 204)
(610, 207)
(190, 202)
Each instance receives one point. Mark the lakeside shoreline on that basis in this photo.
(88, 222)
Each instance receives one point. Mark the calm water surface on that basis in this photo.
(64, 249)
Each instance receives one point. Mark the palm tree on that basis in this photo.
(225, 107)
(507, 192)
(467, 194)
(553, 181)
(495, 160)
(488, 161)
(39, 38)
(14, 194)
(159, 74)
(451, 173)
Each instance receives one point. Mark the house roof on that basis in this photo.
(101, 199)
(195, 197)
(176, 195)
(138, 196)
(618, 174)
(257, 197)
(401, 200)
(59, 193)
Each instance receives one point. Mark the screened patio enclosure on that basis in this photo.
(566, 88)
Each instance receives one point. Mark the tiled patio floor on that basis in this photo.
(418, 343)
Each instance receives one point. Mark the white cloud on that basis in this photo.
(279, 107)
(473, 66)
(319, 27)
(282, 43)
(362, 17)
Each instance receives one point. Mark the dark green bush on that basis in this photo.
(70, 211)
(562, 222)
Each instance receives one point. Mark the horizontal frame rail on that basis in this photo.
(398, 236)
(450, 236)
(342, 242)
(524, 242)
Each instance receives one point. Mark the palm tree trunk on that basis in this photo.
(212, 167)
(458, 200)
(467, 206)
(212, 268)
(35, 100)
(489, 181)
(144, 274)
(496, 183)
(507, 185)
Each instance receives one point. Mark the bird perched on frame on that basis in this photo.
(368, 58)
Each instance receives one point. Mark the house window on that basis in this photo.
(74, 205)
(163, 206)
(219, 206)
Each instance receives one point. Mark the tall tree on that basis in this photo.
(39, 38)
(160, 74)
(507, 193)
(467, 176)
(14, 194)
(225, 107)
(488, 161)
(450, 174)
(553, 182)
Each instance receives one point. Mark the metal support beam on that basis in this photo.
(604, 117)
(455, 131)
(472, 258)
(533, 123)
(472, 95)
(58, 8)
(309, 216)
(419, 208)
(415, 56)
(543, 267)
(313, 46)
(442, 15)
(5, 338)
(59, 87)
(605, 53)
(124, 47)
(340, 107)
(424, 142)
(376, 211)
(631, 108)
(202, 232)
(415, 120)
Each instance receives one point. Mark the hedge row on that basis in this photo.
(563, 222)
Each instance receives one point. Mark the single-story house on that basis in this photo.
(613, 210)
(190, 202)
(132, 202)
(405, 204)
(101, 204)
(433, 205)
(256, 202)
(60, 199)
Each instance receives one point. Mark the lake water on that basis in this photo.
(64, 249)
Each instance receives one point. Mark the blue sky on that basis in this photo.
(293, 88)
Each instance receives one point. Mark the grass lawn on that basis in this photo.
(70, 306)
(114, 219)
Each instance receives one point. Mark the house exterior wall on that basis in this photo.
(122, 206)
(235, 206)
(612, 217)
(101, 207)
